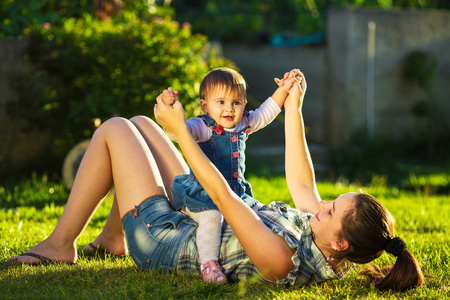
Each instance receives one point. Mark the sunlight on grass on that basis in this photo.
(421, 222)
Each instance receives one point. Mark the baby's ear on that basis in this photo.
(204, 106)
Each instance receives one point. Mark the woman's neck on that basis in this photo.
(328, 254)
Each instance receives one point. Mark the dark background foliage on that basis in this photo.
(257, 21)
(88, 67)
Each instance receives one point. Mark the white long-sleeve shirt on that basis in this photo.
(256, 119)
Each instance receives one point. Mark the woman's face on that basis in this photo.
(327, 223)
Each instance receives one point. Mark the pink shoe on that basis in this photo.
(212, 271)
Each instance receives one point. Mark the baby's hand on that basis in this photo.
(289, 79)
(169, 96)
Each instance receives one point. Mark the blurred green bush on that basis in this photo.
(16, 16)
(95, 68)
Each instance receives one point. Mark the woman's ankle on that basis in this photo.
(114, 244)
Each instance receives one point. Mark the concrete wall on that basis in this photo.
(397, 34)
(337, 72)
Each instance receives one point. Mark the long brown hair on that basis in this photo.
(369, 230)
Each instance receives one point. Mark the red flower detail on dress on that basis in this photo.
(236, 154)
(248, 130)
(236, 175)
(234, 139)
(219, 129)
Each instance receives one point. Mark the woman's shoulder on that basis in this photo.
(310, 265)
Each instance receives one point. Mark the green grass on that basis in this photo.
(32, 207)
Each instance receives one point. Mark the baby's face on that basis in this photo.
(224, 107)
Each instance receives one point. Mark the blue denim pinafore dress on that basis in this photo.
(226, 150)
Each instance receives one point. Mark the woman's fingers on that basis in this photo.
(169, 116)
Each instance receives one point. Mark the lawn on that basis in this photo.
(31, 209)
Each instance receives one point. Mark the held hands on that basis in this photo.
(289, 79)
(169, 96)
(169, 112)
(297, 91)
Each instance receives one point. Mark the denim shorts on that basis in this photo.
(155, 233)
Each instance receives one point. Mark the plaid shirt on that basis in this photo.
(310, 266)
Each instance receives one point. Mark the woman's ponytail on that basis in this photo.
(369, 230)
(405, 274)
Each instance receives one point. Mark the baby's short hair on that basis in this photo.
(227, 78)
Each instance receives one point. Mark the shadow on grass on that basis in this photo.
(115, 278)
(119, 278)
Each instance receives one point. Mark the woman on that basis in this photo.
(310, 246)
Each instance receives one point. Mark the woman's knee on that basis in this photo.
(140, 118)
(113, 126)
(143, 121)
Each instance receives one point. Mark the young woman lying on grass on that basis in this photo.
(315, 242)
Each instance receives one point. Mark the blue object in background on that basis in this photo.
(279, 40)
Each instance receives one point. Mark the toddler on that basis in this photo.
(221, 133)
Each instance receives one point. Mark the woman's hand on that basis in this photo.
(297, 92)
(170, 117)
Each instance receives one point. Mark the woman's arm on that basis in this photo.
(299, 168)
(259, 242)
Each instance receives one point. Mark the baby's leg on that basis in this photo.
(209, 234)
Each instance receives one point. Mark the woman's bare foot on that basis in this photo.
(114, 245)
(47, 252)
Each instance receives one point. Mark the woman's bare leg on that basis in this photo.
(111, 238)
(167, 157)
(170, 164)
(116, 152)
